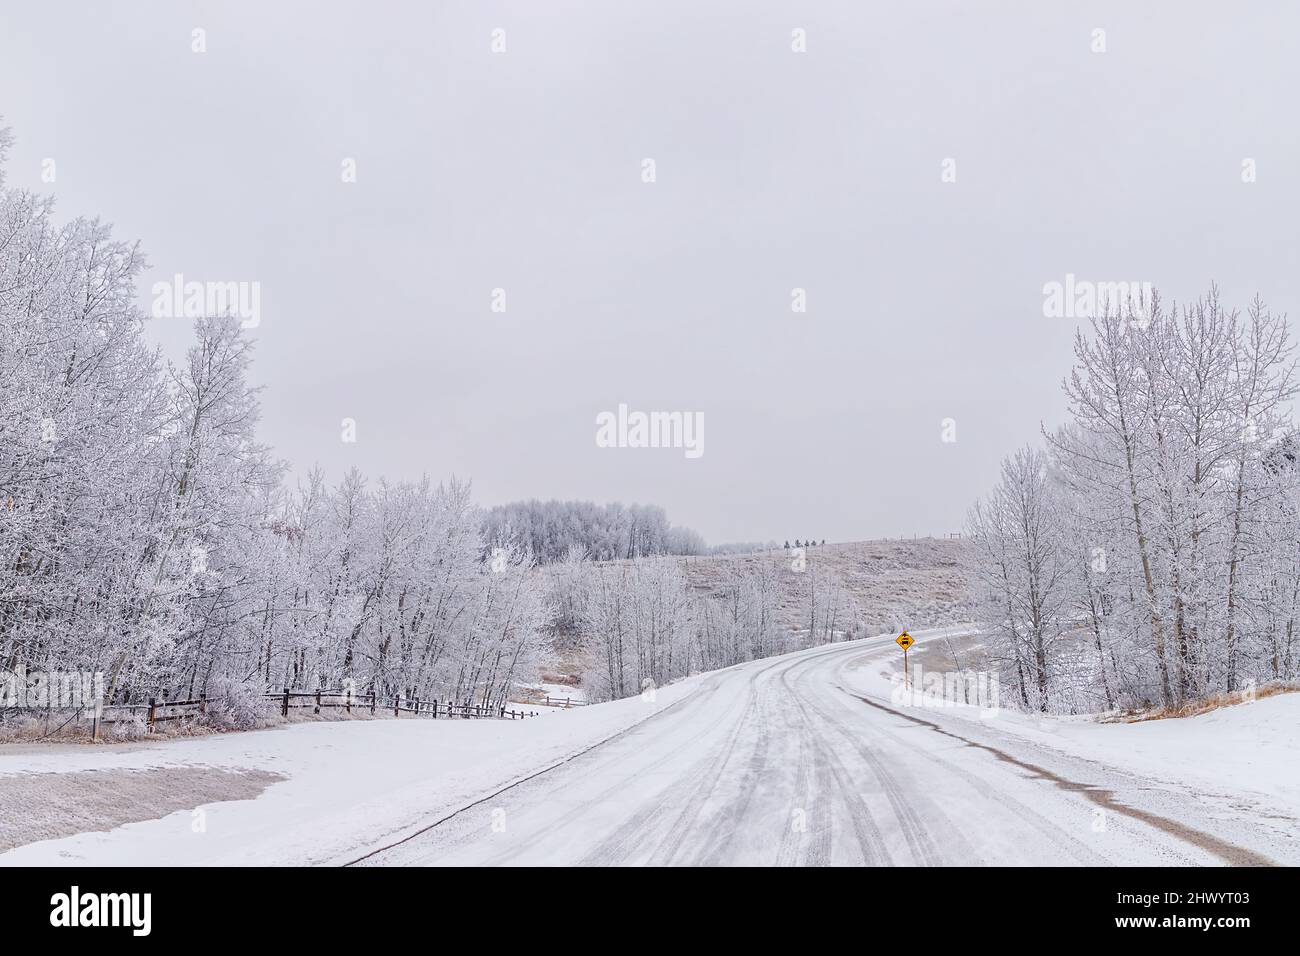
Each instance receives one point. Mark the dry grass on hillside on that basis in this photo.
(915, 584)
(875, 586)
(1194, 707)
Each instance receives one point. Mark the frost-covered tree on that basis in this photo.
(1177, 483)
(1019, 556)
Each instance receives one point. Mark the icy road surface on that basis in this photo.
(807, 760)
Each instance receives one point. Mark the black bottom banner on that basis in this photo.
(374, 906)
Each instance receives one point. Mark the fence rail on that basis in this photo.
(549, 701)
(158, 710)
(435, 708)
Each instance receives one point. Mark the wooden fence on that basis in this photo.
(549, 701)
(319, 699)
(159, 710)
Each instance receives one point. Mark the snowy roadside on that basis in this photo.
(1247, 752)
(350, 785)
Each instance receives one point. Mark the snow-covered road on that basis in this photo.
(809, 758)
(805, 759)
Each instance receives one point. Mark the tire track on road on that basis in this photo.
(913, 829)
(696, 697)
(703, 774)
(870, 841)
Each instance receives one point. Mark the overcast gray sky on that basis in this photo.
(775, 170)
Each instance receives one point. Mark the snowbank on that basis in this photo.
(1233, 752)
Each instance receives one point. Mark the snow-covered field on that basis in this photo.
(808, 758)
(348, 784)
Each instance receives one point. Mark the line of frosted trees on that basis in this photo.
(551, 529)
(652, 620)
(145, 533)
(1149, 553)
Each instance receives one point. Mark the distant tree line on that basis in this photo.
(551, 530)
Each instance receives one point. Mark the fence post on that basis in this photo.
(417, 707)
(284, 705)
(397, 703)
(435, 708)
(151, 714)
(317, 701)
(349, 698)
(373, 702)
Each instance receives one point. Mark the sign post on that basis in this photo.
(905, 641)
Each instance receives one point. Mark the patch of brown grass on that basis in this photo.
(47, 806)
(568, 680)
(1204, 705)
(29, 730)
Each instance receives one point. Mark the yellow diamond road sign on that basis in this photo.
(904, 640)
